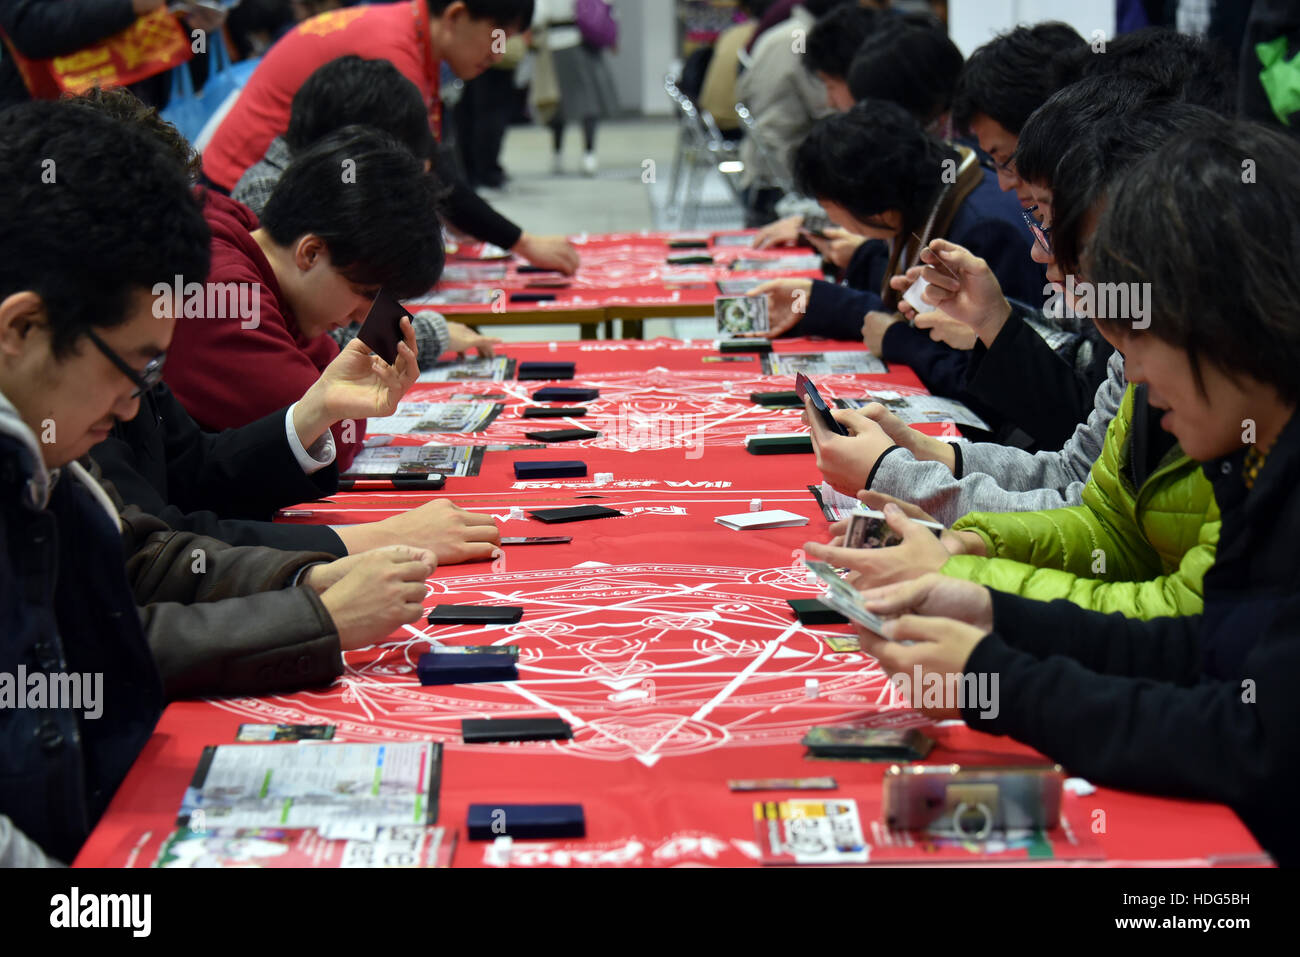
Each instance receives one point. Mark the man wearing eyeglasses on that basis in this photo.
(88, 234)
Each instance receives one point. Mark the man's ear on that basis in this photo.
(20, 314)
(454, 13)
(309, 251)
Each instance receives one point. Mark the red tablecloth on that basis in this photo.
(662, 637)
(618, 269)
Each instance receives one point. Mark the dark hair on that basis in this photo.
(370, 200)
(836, 37)
(754, 8)
(1216, 246)
(874, 158)
(1184, 67)
(1071, 115)
(1090, 166)
(1012, 75)
(124, 106)
(94, 211)
(351, 91)
(909, 62)
(507, 14)
(819, 8)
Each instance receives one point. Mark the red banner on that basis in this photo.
(154, 43)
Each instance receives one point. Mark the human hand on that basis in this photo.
(874, 326)
(787, 303)
(838, 247)
(548, 252)
(462, 338)
(378, 592)
(962, 286)
(783, 232)
(934, 595)
(941, 647)
(453, 534)
(943, 328)
(919, 552)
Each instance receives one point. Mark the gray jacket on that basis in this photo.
(996, 478)
(784, 98)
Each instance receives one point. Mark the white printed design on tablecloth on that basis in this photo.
(654, 410)
(644, 661)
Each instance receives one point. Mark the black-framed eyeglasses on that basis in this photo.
(1042, 234)
(144, 380)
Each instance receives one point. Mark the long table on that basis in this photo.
(664, 639)
(623, 276)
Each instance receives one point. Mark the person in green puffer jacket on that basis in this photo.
(1140, 542)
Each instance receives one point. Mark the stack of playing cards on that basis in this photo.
(867, 744)
(775, 518)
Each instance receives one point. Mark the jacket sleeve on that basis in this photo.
(998, 478)
(469, 212)
(247, 472)
(41, 29)
(1139, 593)
(938, 365)
(1023, 380)
(223, 619)
(19, 850)
(1207, 741)
(836, 312)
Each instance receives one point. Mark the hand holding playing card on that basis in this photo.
(934, 595)
(920, 552)
(358, 384)
(940, 647)
(961, 285)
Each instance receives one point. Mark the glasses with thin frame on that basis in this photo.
(145, 379)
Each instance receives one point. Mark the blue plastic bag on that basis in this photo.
(189, 111)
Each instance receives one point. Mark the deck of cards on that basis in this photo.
(868, 529)
(739, 315)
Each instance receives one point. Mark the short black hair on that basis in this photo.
(1012, 75)
(1092, 164)
(1216, 248)
(352, 91)
(875, 157)
(507, 14)
(907, 61)
(819, 8)
(87, 227)
(370, 200)
(1187, 68)
(1071, 115)
(835, 38)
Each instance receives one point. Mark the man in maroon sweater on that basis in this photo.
(354, 213)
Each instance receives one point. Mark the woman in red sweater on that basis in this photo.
(354, 213)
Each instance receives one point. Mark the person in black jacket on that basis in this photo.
(1204, 706)
(877, 173)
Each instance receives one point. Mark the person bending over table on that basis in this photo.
(1145, 530)
(1204, 706)
(355, 213)
(949, 480)
(229, 484)
(350, 91)
(877, 173)
(149, 612)
(416, 37)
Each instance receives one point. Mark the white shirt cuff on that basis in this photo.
(317, 457)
